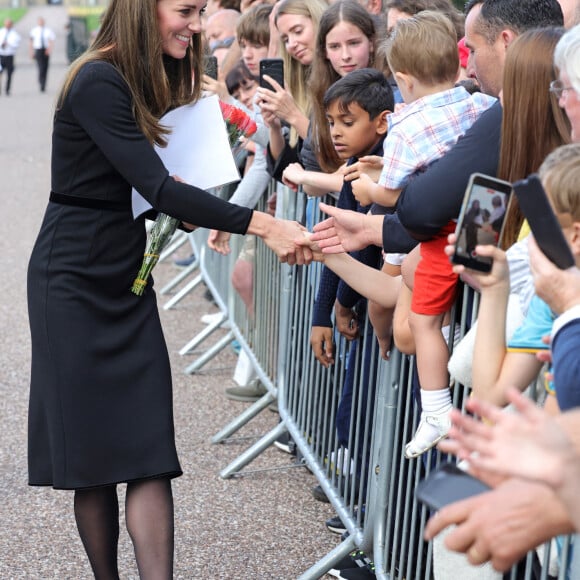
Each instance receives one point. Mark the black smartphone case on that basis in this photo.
(210, 66)
(273, 67)
(448, 484)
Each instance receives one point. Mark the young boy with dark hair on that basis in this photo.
(356, 108)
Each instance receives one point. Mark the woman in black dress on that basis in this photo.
(101, 397)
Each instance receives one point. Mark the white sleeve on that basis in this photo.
(565, 318)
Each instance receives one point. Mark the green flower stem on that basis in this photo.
(160, 234)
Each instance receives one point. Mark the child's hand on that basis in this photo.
(346, 321)
(372, 165)
(321, 344)
(219, 242)
(362, 189)
(248, 144)
(293, 176)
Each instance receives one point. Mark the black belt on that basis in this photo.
(90, 202)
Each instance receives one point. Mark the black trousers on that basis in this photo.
(42, 62)
(7, 64)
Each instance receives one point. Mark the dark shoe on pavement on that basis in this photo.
(335, 525)
(366, 573)
(340, 484)
(354, 560)
(318, 494)
(286, 443)
(208, 296)
(249, 394)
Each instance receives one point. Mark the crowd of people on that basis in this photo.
(386, 110)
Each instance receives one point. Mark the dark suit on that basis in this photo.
(42, 60)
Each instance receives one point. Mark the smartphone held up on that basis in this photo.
(481, 220)
(274, 68)
(544, 224)
(210, 66)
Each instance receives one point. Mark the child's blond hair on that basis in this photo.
(560, 175)
(424, 46)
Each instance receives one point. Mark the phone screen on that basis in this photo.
(481, 220)
(447, 484)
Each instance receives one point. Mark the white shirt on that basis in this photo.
(12, 40)
(41, 32)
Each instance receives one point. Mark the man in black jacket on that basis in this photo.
(490, 27)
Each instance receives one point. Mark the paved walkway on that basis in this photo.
(262, 526)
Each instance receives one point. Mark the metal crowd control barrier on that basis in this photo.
(355, 450)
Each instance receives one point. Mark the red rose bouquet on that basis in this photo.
(238, 124)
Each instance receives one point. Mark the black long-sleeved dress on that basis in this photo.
(101, 397)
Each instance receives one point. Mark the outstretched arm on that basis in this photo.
(346, 231)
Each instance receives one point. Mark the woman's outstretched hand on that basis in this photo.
(282, 237)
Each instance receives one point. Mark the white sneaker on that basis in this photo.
(212, 318)
(432, 428)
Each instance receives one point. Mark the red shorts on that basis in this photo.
(435, 283)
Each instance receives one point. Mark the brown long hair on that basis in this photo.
(533, 124)
(296, 74)
(323, 75)
(129, 39)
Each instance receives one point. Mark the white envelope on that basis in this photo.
(198, 149)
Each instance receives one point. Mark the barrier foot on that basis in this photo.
(209, 354)
(243, 418)
(252, 452)
(201, 336)
(180, 277)
(325, 564)
(270, 469)
(183, 292)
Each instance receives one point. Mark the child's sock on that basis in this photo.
(434, 401)
(434, 424)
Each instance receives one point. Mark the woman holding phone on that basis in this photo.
(346, 41)
(528, 70)
(296, 23)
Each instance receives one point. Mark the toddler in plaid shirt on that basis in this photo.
(424, 59)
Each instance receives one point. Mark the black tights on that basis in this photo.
(149, 517)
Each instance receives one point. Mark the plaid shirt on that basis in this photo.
(425, 130)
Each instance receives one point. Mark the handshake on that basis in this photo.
(344, 231)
